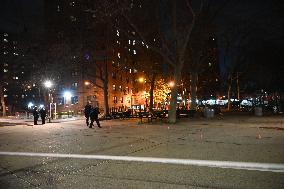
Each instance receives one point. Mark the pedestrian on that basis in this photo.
(42, 115)
(36, 115)
(94, 116)
(87, 111)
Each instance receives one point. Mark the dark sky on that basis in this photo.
(264, 18)
(17, 16)
(264, 45)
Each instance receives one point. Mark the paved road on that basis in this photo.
(236, 139)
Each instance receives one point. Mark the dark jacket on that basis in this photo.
(94, 114)
(42, 113)
(35, 113)
(87, 110)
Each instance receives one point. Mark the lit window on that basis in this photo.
(5, 96)
(113, 74)
(120, 88)
(5, 70)
(210, 64)
(5, 52)
(72, 4)
(113, 87)
(5, 35)
(5, 64)
(130, 70)
(74, 100)
(118, 54)
(134, 51)
(135, 71)
(58, 8)
(74, 85)
(117, 32)
(73, 18)
(133, 42)
(5, 40)
(147, 46)
(114, 99)
(74, 73)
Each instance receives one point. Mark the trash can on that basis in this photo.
(258, 111)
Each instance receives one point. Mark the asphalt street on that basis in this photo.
(238, 139)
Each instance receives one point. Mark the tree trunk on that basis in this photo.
(106, 108)
(152, 91)
(193, 87)
(2, 101)
(229, 94)
(174, 94)
(238, 86)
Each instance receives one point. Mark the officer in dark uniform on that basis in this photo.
(36, 115)
(42, 115)
(87, 112)
(94, 116)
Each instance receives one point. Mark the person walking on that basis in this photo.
(42, 115)
(36, 115)
(87, 111)
(94, 116)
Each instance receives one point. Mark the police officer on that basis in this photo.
(42, 115)
(94, 116)
(36, 115)
(87, 111)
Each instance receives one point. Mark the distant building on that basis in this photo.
(15, 86)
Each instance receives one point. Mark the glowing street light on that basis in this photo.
(171, 84)
(87, 83)
(141, 79)
(67, 95)
(48, 84)
(30, 105)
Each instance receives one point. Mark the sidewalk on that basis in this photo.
(12, 121)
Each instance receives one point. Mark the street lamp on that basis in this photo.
(171, 84)
(48, 84)
(30, 105)
(67, 96)
(141, 79)
(87, 83)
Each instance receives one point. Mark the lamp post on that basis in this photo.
(48, 84)
(67, 98)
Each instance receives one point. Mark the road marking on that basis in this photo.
(271, 167)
